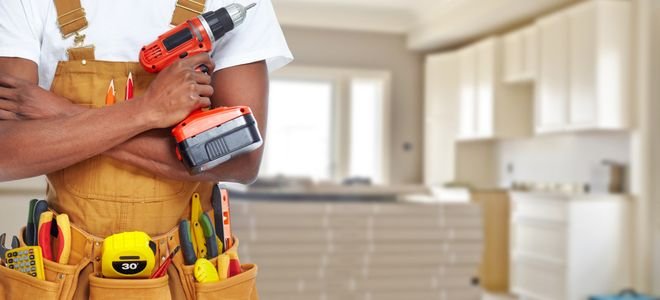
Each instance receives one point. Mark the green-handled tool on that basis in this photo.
(185, 237)
(209, 236)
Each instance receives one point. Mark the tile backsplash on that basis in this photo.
(560, 158)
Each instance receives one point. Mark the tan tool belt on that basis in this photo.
(66, 281)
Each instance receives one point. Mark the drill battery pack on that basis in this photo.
(203, 145)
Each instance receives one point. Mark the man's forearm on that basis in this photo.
(154, 152)
(38, 147)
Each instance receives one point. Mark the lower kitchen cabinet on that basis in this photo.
(569, 247)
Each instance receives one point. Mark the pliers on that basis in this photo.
(63, 228)
(3, 249)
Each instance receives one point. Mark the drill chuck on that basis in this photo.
(225, 19)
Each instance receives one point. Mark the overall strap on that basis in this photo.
(186, 9)
(70, 17)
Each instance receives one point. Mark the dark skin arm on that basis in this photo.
(239, 85)
(34, 146)
(153, 150)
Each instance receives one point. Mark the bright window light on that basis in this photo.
(366, 140)
(299, 137)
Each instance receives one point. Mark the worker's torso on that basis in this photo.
(103, 195)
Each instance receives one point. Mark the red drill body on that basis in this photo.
(208, 138)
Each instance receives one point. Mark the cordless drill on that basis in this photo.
(207, 138)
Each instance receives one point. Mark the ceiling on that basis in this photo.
(429, 24)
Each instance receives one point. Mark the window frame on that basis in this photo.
(341, 121)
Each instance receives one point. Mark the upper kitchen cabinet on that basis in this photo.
(552, 76)
(520, 55)
(441, 101)
(489, 109)
(583, 80)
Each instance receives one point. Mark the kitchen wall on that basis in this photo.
(15, 198)
(375, 51)
(560, 158)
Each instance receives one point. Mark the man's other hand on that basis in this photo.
(23, 100)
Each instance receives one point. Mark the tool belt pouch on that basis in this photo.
(112, 288)
(60, 281)
(238, 287)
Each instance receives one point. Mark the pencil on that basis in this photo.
(129, 86)
(110, 95)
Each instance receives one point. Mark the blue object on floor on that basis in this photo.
(624, 295)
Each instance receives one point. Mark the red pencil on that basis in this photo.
(129, 86)
(162, 270)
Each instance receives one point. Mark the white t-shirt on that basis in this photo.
(119, 28)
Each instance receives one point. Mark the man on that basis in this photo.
(112, 168)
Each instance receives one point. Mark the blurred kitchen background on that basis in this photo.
(454, 149)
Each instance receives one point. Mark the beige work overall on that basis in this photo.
(103, 196)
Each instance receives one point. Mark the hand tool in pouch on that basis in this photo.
(209, 236)
(15, 243)
(59, 227)
(208, 138)
(223, 266)
(26, 260)
(199, 242)
(234, 264)
(186, 239)
(127, 255)
(3, 248)
(40, 207)
(222, 216)
(30, 228)
(205, 272)
(162, 270)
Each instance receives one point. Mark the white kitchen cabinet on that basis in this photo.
(600, 38)
(485, 87)
(583, 80)
(488, 109)
(446, 160)
(440, 124)
(467, 97)
(552, 77)
(520, 55)
(569, 247)
(530, 45)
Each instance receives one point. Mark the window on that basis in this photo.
(366, 134)
(299, 129)
(327, 124)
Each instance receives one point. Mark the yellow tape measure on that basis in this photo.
(127, 255)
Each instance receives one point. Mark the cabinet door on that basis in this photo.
(467, 100)
(441, 100)
(485, 88)
(552, 81)
(582, 66)
(512, 56)
(529, 41)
